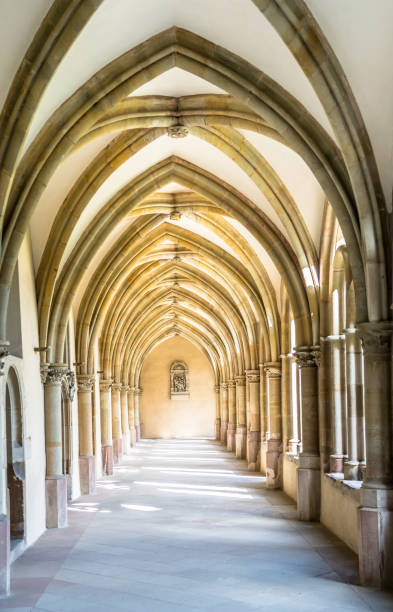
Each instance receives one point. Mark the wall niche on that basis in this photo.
(179, 380)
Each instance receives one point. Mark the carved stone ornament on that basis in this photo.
(232, 384)
(105, 385)
(240, 381)
(180, 388)
(85, 383)
(125, 388)
(307, 356)
(177, 131)
(55, 373)
(253, 376)
(4, 352)
(272, 369)
(376, 337)
(217, 388)
(116, 387)
(69, 380)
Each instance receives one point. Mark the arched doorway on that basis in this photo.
(15, 458)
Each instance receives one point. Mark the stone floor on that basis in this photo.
(182, 525)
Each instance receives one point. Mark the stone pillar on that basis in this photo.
(253, 437)
(4, 555)
(117, 436)
(106, 426)
(337, 403)
(125, 428)
(137, 399)
(324, 395)
(241, 417)
(264, 416)
(56, 481)
(4, 518)
(87, 464)
(308, 471)
(224, 411)
(355, 464)
(274, 443)
(375, 515)
(218, 413)
(231, 442)
(131, 415)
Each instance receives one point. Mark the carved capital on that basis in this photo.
(55, 373)
(231, 384)
(240, 381)
(253, 376)
(125, 388)
(307, 356)
(217, 388)
(116, 386)
(4, 352)
(272, 369)
(44, 372)
(376, 337)
(224, 385)
(105, 385)
(85, 383)
(138, 391)
(69, 379)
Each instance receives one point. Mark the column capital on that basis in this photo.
(106, 385)
(231, 383)
(116, 386)
(307, 356)
(376, 336)
(224, 385)
(253, 375)
(4, 352)
(55, 372)
(138, 391)
(240, 381)
(125, 388)
(272, 369)
(217, 388)
(85, 383)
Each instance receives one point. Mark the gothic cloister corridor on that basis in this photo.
(182, 525)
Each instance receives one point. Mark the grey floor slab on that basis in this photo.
(182, 525)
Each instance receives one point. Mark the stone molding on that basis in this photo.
(231, 384)
(253, 376)
(272, 369)
(240, 381)
(224, 385)
(376, 337)
(217, 388)
(178, 131)
(106, 385)
(85, 383)
(307, 356)
(116, 386)
(125, 388)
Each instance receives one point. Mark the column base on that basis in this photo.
(218, 429)
(87, 474)
(137, 433)
(253, 444)
(107, 459)
(308, 489)
(274, 464)
(337, 463)
(117, 450)
(375, 538)
(241, 442)
(132, 436)
(4, 555)
(56, 501)
(293, 447)
(231, 433)
(352, 470)
(224, 432)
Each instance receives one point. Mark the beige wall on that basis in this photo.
(289, 476)
(339, 510)
(166, 418)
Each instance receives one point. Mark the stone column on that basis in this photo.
(137, 399)
(308, 471)
(125, 428)
(87, 464)
(337, 402)
(231, 442)
(117, 436)
(4, 518)
(375, 515)
(224, 411)
(56, 481)
(253, 437)
(264, 416)
(274, 443)
(106, 426)
(356, 423)
(241, 417)
(218, 413)
(324, 395)
(131, 415)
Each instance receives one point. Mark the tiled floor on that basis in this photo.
(183, 526)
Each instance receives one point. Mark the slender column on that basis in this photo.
(231, 415)
(241, 417)
(274, 444)
(117, 436)
(356, 423)
(324, 395)
(337, 402)
(286, 401)
(106, 426)
(264, 416)
(253, 437)
(131, 415)
(218, 413)
(224, 411)
(137, 399)
(4, 517)
(308, 472)
(56, 481)
(125, 428)
(375, 515)
(87, 464)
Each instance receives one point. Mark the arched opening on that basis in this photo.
(15, 458)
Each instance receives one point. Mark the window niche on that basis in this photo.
(180, 386)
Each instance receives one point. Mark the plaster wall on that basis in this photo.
(166, 418)
(32, 398)
(339, 504)
(289, 476)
